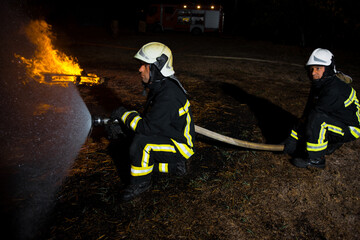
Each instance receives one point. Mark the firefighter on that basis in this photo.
(164, 133)
(331, 116)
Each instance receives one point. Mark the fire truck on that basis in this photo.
(196, 19)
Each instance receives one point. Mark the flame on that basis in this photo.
(49, 65)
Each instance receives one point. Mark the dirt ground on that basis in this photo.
(229, 192)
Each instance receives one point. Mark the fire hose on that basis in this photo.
(213, 135)
(237, 142)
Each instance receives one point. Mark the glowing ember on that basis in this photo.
(49, 65)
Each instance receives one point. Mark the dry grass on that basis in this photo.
(228, 193)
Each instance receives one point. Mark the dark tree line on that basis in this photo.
(304, 22)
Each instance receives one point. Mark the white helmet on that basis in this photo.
(320, 57)
(158, 54)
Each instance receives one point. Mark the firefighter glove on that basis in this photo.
(114, 130)
(118, 113)
(290, 145)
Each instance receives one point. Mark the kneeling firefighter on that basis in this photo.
(164, 133)
(331, 117)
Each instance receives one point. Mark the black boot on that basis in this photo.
(309, 162)
(134, 190)
(332, 147)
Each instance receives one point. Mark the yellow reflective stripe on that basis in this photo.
(322, 132)
(164, 167)
(335, 129)
(294, 134)
(187, 131)
(358, 109)
(184, 109)
(316, 147)
(125, 115)
(351, 98)
(141, 171)
(183, 149)
(187, 134)
(355, 131)
(328, 127)
(134, 122)
(155, 147)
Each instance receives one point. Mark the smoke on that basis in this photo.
(42, 129)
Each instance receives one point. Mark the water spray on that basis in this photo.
(99, 121)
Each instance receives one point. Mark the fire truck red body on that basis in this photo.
(192, 18)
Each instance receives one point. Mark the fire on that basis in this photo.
(49, 65)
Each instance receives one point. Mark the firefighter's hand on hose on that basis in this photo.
(114, 131)
(118, 113)
(290, 145)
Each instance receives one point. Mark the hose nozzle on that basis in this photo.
(100, 121)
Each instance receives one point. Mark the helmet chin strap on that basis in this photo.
(154, 77)
(144, 93)
(329, 71)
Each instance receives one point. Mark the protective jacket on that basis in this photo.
(167, 113)
(332, 114)
(335, 98)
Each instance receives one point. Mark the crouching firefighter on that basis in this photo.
(164, 133)
(331, 116)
